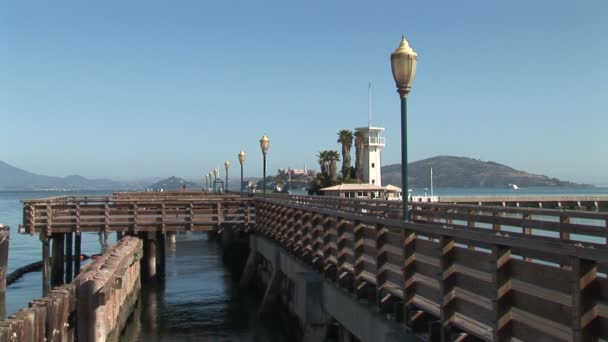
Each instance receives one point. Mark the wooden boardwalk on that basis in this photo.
(492, 272)
(135, 212)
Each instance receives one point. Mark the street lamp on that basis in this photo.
(226, 165)
(403, 65)
(264, 146)
(242, 161)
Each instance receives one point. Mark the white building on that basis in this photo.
(370, 156)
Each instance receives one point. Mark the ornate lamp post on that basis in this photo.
(242, 161)
(403, 65)
(264, 142)
(227, 166)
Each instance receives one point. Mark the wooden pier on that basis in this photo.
(489, 272)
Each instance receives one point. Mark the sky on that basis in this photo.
(136, 89)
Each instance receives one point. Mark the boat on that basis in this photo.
(513, 186)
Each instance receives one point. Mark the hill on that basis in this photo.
(174, 183)
(13, 178)
(462, 172)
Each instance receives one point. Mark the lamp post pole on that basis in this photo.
(403, 65)
(264, 142)
(206, 181)
(226, 165)
(242, 161)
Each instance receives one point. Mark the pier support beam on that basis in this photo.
(150, 253)
(160, 254)
(250, 265)
(171, 237)
(57, 259)
(77, 251)
(69, 257)
(4, 239)
(272, 293)
(46, 261)
(309, 306)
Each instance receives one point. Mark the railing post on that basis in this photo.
(446, 284)
(584, 274)
(501, 282)
(409, 260)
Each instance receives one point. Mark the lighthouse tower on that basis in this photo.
(370, 156)
(374, 142)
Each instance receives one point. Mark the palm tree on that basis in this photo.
(333, 157)
(323, 161)
(345, 137)
(360, 138)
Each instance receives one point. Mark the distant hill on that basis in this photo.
(462, 172)
(174, 183)
(12, 178)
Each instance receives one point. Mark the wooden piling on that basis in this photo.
(150, 252)
(57, 260)
(77, 252)
(160, 253)
(46, 260)
(4, 239)
(69, 257)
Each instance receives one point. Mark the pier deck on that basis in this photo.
(491, 272)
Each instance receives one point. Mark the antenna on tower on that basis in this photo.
(369, 103)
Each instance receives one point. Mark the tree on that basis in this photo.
(345, 137)
(333, 157)
(323, 162)
(360, 138)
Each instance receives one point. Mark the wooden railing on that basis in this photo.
(492, 285)
(135, 212)
(579, 227)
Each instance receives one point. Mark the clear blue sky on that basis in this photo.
(132, 89)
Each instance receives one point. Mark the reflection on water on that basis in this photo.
(198, 300)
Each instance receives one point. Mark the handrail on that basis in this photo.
(491, 284)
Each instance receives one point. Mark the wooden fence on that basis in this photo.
(491, 285)
(135, 212)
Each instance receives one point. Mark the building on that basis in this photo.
(367, 191)
(370, 157)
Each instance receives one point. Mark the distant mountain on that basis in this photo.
(12, 178)
(462, 172)
(174, 183)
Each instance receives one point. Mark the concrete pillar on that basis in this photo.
(309, 306)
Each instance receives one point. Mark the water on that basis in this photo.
(198, 301)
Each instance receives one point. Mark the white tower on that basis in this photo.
(370, 156)
(374, 142)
